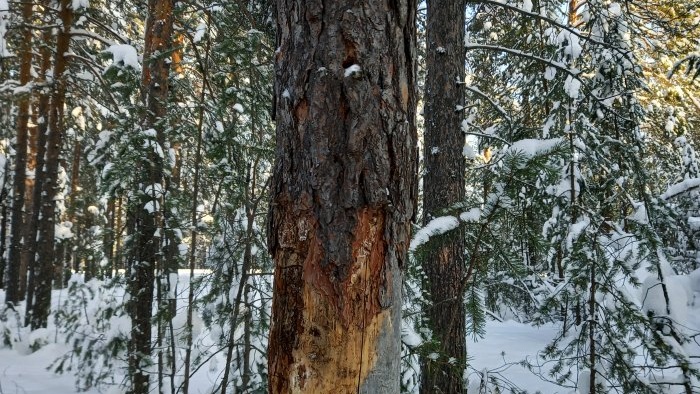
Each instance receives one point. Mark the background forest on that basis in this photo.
(137, 144)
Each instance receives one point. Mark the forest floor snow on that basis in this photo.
(504, 345)
(497, 355)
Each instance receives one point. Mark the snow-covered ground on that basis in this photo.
(497, 355)
(24, 372)
(501, 350)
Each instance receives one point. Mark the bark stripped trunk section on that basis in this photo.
(443, 185)
(146, 219)
(343, 193)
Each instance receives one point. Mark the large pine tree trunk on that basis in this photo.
(46, 225)
(29, 183)
(145, 211)
(30, 237)
(343, 193)
(443, 186)
(14, 272)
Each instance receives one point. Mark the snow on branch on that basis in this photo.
(532, 147)
(493, 103)
(527, 11)
(558, 65)
(693, 61)
(442, 225)
(680, 188)
(124, 55)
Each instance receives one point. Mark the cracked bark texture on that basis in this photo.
(443, 186)
(343, 193)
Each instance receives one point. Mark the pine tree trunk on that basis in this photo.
(443, 186)
(75, 246)
(118, 231)
(108, 239)
(30, 237)
(29, 183)
(46, 225)
(147, 222)
(4, 221)
(343, 194)
(13, 292)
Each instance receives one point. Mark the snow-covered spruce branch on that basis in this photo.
(568, 29)
(92, 35)
(693, 61)
(491, 101)
(681, 188)
(91, 66)
(107, 28)
(574, 72)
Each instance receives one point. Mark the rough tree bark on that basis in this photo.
(46, 225)
(14, 292)
(144, 211)
(343, 193)
(30, 235)
(443, 187)
(29, 184)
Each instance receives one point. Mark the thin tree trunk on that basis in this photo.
(4, 222)
(204, 69)
(247, 348)
(76, 245)
(118, 231)
(12, 292)
(108, 239)
(236, 307)
(572, 21)
(591, 332)
(443, 186)
(343, 194)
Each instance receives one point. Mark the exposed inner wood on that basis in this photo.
(343, 318)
